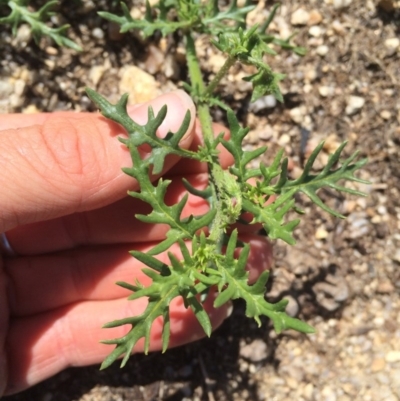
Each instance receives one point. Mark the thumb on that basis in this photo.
(59, 163)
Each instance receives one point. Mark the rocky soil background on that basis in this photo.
(343, 277)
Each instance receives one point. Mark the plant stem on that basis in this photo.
(199, 86)
(203, 111)
(221, 73)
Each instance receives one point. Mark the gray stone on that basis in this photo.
(256, 351)
(265, 102)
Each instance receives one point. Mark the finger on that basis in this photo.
(56, 280)
(14, 121)
(43, 345)
(4, 324)
(112, 224)
(73, 163)
(260, 255)
(41, 283)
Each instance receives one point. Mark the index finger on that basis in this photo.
(72, 162)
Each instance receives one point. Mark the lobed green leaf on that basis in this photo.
(20, 12)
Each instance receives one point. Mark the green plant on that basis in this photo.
(229, 193)
(210, 259)
(20, 12)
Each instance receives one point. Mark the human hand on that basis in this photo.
(64, 208)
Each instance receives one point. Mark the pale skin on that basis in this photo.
(65, 209)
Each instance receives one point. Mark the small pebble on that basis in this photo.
(315, 17)
(300, 17)
(330, 296)
(385, 287)
(297, 114)
(321, 233)
(392, 357)
(338, 4)
(6, 88)
(155, 60)
(24, 35)
(315, 31)
(265, 102)
(52, 51)
(308, 391)
(338, 28)
(292, 308)
(284, 139)
(377, 365)
(392, 43)
(328, 394)
(396, 256)
(30, 109)
(96, 73)
(322, 50)
(170, 67)
(385, 114)
(140, 85)
(292, 383)
(98, 33)
(326, 91)
(19, 87)
(311, 74)
(256, 351)
(354, 104)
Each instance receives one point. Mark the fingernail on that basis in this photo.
(185, 99)
(178, 103)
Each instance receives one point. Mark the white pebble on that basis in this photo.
(96, 73)
(338, 28)
(300, 17)
(283, 140)
(24, 34)
(392, 43)
(315, 31)
(321, 233)
(354, 104)
(98, 33)
(381, 209)
(328, 394)
(385, 114)
(326, 91)
(308, 392)
(19, 87)
(322, 50)
(297, 114)
(392, 356)
(341, 3)
(396, 256)
(265, 102)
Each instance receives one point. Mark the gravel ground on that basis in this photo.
(342, 277)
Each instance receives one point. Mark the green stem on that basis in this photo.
(196, 78)
(203, 111)
(220, 74)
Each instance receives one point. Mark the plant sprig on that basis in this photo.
(21, 12)
(265, 192)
